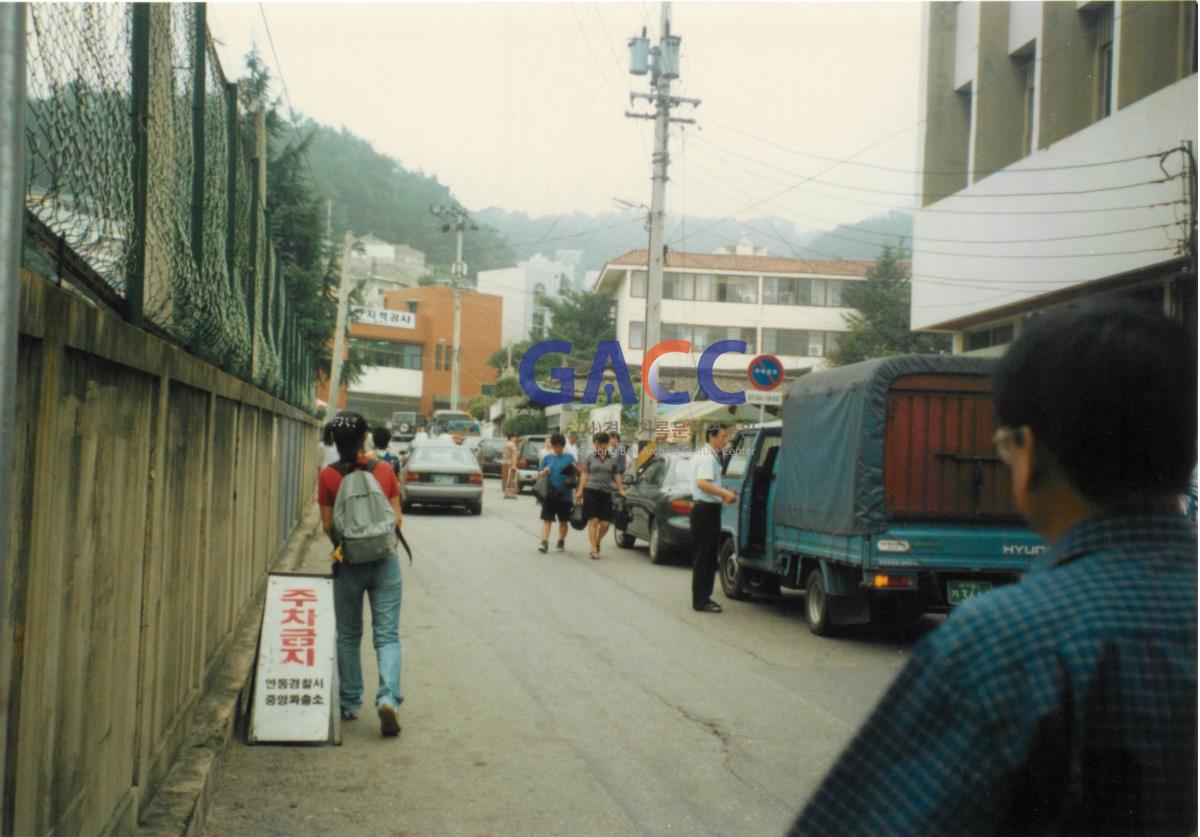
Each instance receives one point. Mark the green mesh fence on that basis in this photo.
(199, 267)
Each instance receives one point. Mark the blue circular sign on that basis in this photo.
(766, 373)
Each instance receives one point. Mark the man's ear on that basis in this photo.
(1041, 461)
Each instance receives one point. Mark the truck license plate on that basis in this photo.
(958, 592)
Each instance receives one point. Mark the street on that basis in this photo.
(552, 694)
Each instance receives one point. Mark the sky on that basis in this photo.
(521, 106)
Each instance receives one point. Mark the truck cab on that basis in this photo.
(879, 495)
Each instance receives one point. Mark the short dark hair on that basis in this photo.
(600, 438)
(712, 431)
(513, 435)
(1109, 389)
(381, 436)
(557, 439)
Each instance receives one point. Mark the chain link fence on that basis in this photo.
(142, 164)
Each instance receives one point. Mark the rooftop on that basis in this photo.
(724, 263)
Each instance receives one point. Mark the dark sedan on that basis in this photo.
(658, 508)
(491, 451)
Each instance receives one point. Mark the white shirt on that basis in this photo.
(571, 449)
(706, 465)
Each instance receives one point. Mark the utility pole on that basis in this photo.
(339, 336)
(456, 220)
(662, 63)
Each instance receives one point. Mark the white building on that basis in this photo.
(1051, 162)
(524, 289)
(383, 267)
(791, 308)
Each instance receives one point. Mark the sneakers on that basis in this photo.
(543, 546)
(349, 714)
(389, 720)
(562, 547)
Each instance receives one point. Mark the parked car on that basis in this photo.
(441, 475)
(527, 459)
(658, 508)
(491, 452)
(880, 495)
(472, 443)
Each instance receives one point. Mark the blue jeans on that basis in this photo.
(383, 584)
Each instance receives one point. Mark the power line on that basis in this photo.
(1041, 57)
(947, 173)
(950, 194)
(1012, 256)
(287, 96)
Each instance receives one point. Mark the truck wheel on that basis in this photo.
(816, 605)
(658, 555)
(733, 577)
(623, 538)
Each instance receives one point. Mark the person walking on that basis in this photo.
(572, 446)
(508, 467)
(596, 484)
(1064, 703)
(705, 520)
(380, 438)
(556, 469)
(381, 581)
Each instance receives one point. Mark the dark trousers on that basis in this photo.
(706, 538)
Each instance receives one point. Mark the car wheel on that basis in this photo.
(732, 575)
(658, 553)
(476, 508)
(816, 605)
(623, 538)
(405, 506)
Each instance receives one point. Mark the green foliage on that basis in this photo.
(879, 326)
(499, 358)
(373, 193)
(479, 405)
(525, 423)
(507, 387)
(583, 319)
(297, 224)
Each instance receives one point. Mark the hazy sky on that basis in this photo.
(521, 106)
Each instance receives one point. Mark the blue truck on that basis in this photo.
(879, 494)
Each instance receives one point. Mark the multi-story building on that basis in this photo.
(383, 267)
(1054, 162)
(408, 344)
(792, 308)
(525, 289)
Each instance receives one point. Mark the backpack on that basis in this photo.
(363, 521)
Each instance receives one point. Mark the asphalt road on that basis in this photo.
(552, 694)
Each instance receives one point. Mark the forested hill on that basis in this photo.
(374, 193)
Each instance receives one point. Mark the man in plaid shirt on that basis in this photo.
(1067, 702)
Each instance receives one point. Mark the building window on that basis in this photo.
(711, 288)
(538, 330)
(437, 357)
(703, 336)
(800, 342)
(386, 353)
(637, 335)
(679, 286)
(1028, 71)
(637, 284)
(1104, 61)
(988, 337)
(791, 290)
(412, 306)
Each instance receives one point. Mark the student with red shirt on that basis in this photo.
(382, 581)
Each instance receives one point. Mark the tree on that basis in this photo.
(507, 387)
(583, 319)
(307, 261)
(478, 406)
(879, 325)
(525, 423)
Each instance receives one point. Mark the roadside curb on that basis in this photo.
(180, 807)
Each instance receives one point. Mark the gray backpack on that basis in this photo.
(363, 520)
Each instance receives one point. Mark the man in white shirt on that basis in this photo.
(572, 446)
(707, 497)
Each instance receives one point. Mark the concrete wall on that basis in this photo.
(947, 129)
(152, 494)
(1155, 46)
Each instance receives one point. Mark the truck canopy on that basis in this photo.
(830, 473)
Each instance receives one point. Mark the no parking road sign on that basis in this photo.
(766, 373)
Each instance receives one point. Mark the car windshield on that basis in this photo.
(532, 448)
(442, 456)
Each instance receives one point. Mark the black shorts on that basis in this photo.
(554, 506)
(597, 505)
